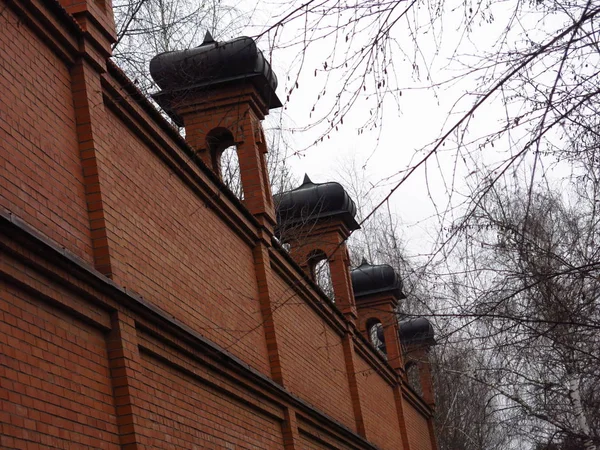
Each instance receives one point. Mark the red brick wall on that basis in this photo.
(40, 171)
(183, 413)
(416, 427)
(312, 354)
(167, 245)
(379, 408)
(174, 251)
(55, 385)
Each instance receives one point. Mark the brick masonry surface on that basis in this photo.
(141, 304)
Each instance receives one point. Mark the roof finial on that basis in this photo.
(208, 39)
(306, 179)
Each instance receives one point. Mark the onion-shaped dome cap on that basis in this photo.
(370, 279)
(417, 331)
(215, 63)
(313, 201)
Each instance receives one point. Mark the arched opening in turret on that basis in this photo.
(413, 376)
(225, 160)
(230, 171)
(320, 272)
(376, 335)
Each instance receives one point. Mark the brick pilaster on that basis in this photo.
(291, 437)
(88, 103)
(262, 268)
(401, 418)
(383, 308)
(339, 265)
(124, 363)
(350, 360)
(420, 356)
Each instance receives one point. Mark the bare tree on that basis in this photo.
(532, 301)
(468, 413)
(537, 85)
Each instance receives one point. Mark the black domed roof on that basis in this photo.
(215, 63)
(313, 201)
(370, 279)
(417, 331)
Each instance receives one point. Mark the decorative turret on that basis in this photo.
(220, 92)
(315, 219)
(211, 65)
(311, 202)
(369, 280)
(417, 337)
(417, 331)
(377, 290)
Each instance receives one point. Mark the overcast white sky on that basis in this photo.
(426, 108)
(422, 113)
(418, 119)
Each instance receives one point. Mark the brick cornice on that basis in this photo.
(49, 20)
(62, 33)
